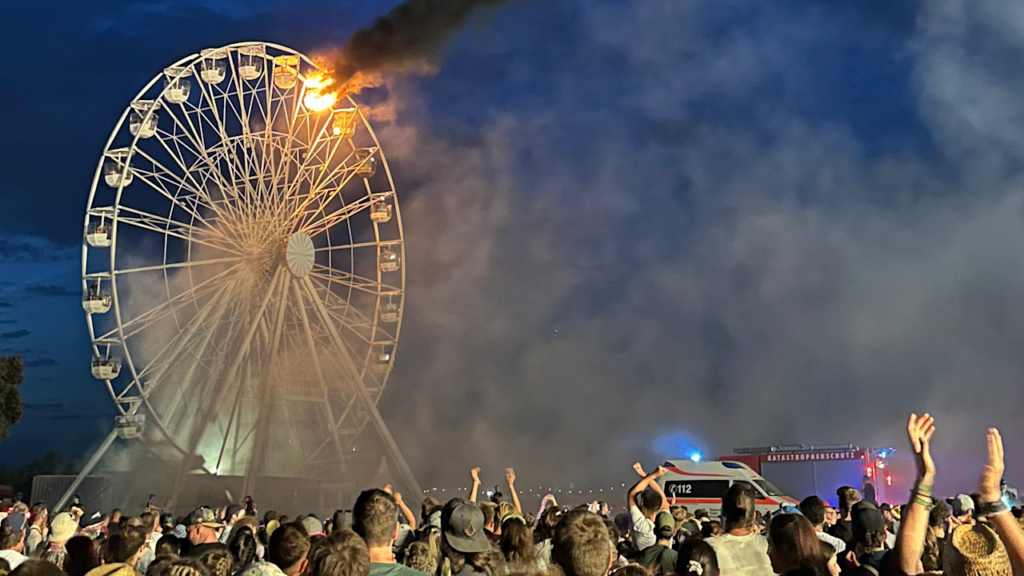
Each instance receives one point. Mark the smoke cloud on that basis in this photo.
(409, 38)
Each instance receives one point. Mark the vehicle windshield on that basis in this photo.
(768, 488)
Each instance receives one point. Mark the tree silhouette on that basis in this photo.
(12, 374)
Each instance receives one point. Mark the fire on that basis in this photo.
(317, 98)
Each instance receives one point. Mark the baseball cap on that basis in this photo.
(464, 529)
(205, 517)
(313, 525)
(866, 519)
(63, 527)
(15, 520)
(961, 504)
(664, 524)
(231, 511)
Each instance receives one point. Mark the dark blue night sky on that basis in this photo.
(750, 223)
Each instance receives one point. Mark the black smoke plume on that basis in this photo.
(409, 37)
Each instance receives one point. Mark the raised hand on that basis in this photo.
(389, 489)
(398, 497)
(661, 471)
(992, 473)
(919, 431)
(639, 469)
(510, 476)
(475, 473)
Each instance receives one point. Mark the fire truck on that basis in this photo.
(802, 470)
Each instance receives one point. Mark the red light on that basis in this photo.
(888, 480)
(870, 471)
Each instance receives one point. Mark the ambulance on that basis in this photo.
(701, 485)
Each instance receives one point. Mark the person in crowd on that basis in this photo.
(343, 553)
(741, 551)
(184, 567)
(939, 523)
(696, 557)
(168, 546)
(581, 546)
(963, 509)
(115, 516)
(517, 548)
(661, 556)
(83, 555)
(891, 523)
(151, 528)
(406, 522)
(869, 534)
(12, 544)
(828, 552)
(62, 529)
(465, 548)
(36, 535)
(430, 512)
(289, 548)
(231, 515)
(813, 508)
(219, 562)
(375, 519)
(996, 547)
(203, 532)
(843, 527)
(37, 567)
(867, 487)
(831, 517)
(314, 527)
(794, 545)
(653, 501)
(419, 557)
(243, 546)
(711, 528)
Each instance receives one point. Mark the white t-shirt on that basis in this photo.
(836, 543)
(742, 555)
(13, 558)
(641, 529)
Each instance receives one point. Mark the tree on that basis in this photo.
(12, 374)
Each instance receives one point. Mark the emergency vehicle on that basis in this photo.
(701, 485)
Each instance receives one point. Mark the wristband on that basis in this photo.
(993, 508)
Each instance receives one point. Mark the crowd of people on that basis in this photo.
(968, 535)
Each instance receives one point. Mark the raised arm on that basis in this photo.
(475, 472)
(410, 518)
(914, 521)
(998, 512)
(642, 485)
(510, 476)
(548, 499)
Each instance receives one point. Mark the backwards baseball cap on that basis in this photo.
(464, 529)
(205, 517)
(15, 520)
(961, 504)
(664, 525)
(231, 511)
(866, 519)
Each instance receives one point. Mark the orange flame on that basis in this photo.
(317, 98)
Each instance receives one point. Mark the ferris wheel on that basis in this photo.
(243, 267)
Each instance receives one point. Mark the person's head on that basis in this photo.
(269, 515)
(490, 512)
(375, 518)
(886, 510)
(831, 515)
(464, 537)
(343, 553)
(40, 514)
(115, 515)
(82, 555)
(203, 526)
(711, 528)
(963, 507)
(36, 567)
(242, 545)
(63, 527)
(168, 545)
(973, 550)
(233, 513)
(517, 545)
(581, 546)
(219, 562)
(314, 527)
(429, 508)
(813, 509)
(505, 509)
(419, 557)
(696, 557)
(651, 502)
(288, 547)
(738, 507)
(793, 544)
(664, 526)
(829, 553)
(865, 481)
(11, 539)
(149, 521)
(848, 496)
(432, 538)
(868, 527)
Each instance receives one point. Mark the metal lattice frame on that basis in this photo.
(243, 266)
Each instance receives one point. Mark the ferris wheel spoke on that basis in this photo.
(152, 181)
(187, 264)
(219, 127)
(175, 228)
(316, 227)
(350, 280)
(188, 296)
(356, 246)
(198, 141)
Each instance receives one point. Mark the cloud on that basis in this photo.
(50, 290)
(42, 361)
(14, 334)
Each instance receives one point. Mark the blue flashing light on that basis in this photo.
(696, 457)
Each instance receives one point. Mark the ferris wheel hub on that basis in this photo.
(299, 254)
